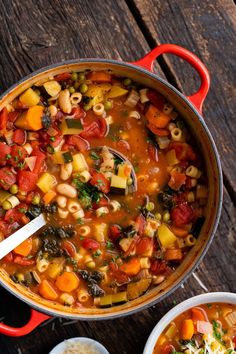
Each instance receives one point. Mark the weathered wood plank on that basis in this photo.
(206, 28)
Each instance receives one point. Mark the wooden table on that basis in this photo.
(38, 33)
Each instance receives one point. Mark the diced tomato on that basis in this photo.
(156, 99)
(18, 155)
(169, 349)
(177, 180)
(27, 181)
(101, 182)
(113, 266)
(4, 151)
(103, 127)
(143, 245)
(24, 261)
(69, 248)
(39, 161)
(15, 214)
(159, 267)
(120, 277)
(8, 258)
(152, 152)
(94, 129)
(123, 145)
(7, 178)
(62, 77)
(101, 203)
(7, 229)
(90, 244)
(182, 214)
(140, 223)
(114, 232)
(158, 131)
(12, 116)
(183, 151)
(77, 112)
(79, 143)
(3, 118)
(19, 137)
(57, 140)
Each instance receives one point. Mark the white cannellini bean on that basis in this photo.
(61, 201)
(66, 171)
(67, 190)
(52, 110)
(64, 101)
(62, 213)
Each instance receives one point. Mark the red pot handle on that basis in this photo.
(197, 98)
(35, 319)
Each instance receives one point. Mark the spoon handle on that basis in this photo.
(11, 242)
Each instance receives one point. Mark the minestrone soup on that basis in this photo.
(119, 177)
(209, 328)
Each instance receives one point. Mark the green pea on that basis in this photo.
(14, 189)
(83, 88)
(36, 200)
(158, 216)
(129, 181)
(127, 82)
(6, 205)
(74, 76)
(71, 89)
(107, 105)
(166, 216)
(150, 206)
(81, 77)
(76, 85)
(86, 107)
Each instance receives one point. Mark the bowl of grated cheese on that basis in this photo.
(79, 345)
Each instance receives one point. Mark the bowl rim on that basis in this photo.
(184, 276)
(219, 297)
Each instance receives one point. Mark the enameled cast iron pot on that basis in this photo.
(190, 108)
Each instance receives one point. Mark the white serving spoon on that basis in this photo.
(11, 242)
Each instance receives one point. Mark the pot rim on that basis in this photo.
(198, 259)
(214, 297)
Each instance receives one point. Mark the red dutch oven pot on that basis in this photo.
(190, 108)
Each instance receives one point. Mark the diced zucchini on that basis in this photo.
(79, 163)
(58, 158)
(106, 301)
(71, 126)
(46, 182)
(116, 91)
(29, 98)
(119, 298)
(125, 243)
(55, 267)
(52, 88)
(166, 237)
(171, 158)
(95, 93)
(118, 184)
(67, 157)
(124, 170)
(134, 290)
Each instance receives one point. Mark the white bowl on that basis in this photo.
(61, 347)
(183, 306)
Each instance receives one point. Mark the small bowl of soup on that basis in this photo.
(202, 324)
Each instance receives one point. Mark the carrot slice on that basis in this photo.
(157, 117)
(132, 267)
(174, 254)
(198, 314)
(180, 232)
(47, 291)
(24, 248)
(48, 197)
(99, 76)
(67, 282)
(187, 329)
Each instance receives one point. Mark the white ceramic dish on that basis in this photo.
(61, 347)
(183, 306)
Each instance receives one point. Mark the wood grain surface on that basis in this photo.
(34, 34)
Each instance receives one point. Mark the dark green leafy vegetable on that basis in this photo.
(88, 194)
(46, 121)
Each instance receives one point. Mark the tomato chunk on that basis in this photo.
(90, 244)
(27, 181)
(18, 155)
(156, 99)
(182, 214)
(24, 261)
(39, 161)
(19, 136)
(144, 245)
(7, 178)
(101, 182)
(5, 151)
(3, 118)
(78, 142)
(114, 232)
(69, 247)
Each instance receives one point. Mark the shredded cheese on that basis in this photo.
(210, 346)
(78, 347)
